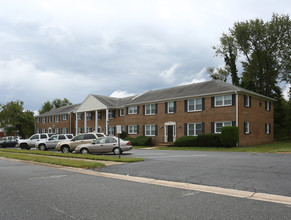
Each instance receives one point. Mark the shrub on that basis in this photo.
(229, 136)
(132, 140)
(186, 141)
(209, 140)
(123, 135)
(143, 140)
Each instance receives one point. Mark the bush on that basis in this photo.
(123, 135)
(229, 136)
(209, 140)
(186, 141)
(140, 140)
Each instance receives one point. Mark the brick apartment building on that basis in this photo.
(170, 113)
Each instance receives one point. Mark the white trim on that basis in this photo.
(151, 109)
(236, 109)
(170, 123)
(151, 130)
(195, 105)
(134, 126)
(223, 122)
(223, 101)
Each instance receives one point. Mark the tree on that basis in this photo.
(15, 120)
(56, 103)
(218, 73)
(264, 49)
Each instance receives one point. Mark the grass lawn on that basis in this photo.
(276, 147)
(51, 160)
(80, 156)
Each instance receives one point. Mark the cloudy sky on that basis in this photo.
(71, 48)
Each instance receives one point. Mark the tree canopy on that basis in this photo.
(15, 120)
(56, 103)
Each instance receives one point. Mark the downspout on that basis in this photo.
(70, 123)
(76, 132)
(107, 122)
(236, 109)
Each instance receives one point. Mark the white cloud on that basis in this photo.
(286, 90)
(198, 77)
(169, 74)
(121, 94)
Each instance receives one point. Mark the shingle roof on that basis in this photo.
(61, 110)
(112, 102)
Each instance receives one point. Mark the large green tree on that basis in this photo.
(14, 119)
(56, 103)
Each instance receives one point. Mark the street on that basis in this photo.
(39, 192)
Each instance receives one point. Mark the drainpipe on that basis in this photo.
(76, 132)
(107, 122)
(236, 109)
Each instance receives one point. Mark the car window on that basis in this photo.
(53, 138)
(50, 135)
(100, 135)
(43, 136)
(79, 137)
(33, 137)
(110, 140)
(62, 137)
(90, 136)
(69, 136)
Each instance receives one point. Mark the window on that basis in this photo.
(57, 118)
(37, 120)
(194, 105)
(111, 130)
(150, 109)
(89, 116)
(219, 125)
(43, 120)
(57, 130)
(267, 128)
(79, 130)
(62, 137)
(43, 130)
(65, 117)
(247, 101)
(121, 112)
(89, 130)
(90, 136)
(267, 106)
(171, 107)
(65, 130)
(132, 129)
(50, 119)
(111, 114)
(43, 136)
(80, 115)
(194, 129)
(132, 110)
(99, 115)
(150, 130)
(223, 100)
(246, 127)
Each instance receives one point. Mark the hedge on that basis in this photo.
(186, 141)
(140, 140)
(229, 136)
(209, 140)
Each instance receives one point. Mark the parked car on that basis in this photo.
(70, 145)
(104, 145)
(9, 141)
(29, 143)
(52, 142)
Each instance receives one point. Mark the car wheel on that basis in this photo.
(42, 147)
(116, 151)
(23, 146)
(84, 151)
(65, 149)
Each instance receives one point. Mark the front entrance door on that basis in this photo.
(170, 133)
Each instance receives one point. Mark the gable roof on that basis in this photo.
(62, 110)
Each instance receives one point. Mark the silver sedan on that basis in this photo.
(104, 145)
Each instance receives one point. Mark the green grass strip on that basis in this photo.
(80, 156)
(56, 161)
(276, 147)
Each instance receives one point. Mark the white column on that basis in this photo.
(76, 132)
(96, 121)
(107, 121)
(85, 122)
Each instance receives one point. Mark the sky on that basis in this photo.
(72, 48)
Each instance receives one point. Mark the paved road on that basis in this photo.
(38, 192)
(256, 172)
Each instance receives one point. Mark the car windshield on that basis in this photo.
(53, 138)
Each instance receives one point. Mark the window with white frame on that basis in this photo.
(43, 130)
(89, 116)
(171, 107)
(121, 112)
(132, 129)
(225, 100)
(37, 131)
(80, 115)
(37, 120)
(65, 117)
(89, 130)
(267, 128)
(194, 105)
(111, 130)
(43, 120)
(247, 101)
(194, 129)
(267, 107)
(219, 125)
(132, 110)
(57, 118)
(50, 119)
(65, 130)
(150, 130)
(150, 109)
(246, 127)
(57, 130)
(111, 114)
(122, 128)
(79, 130)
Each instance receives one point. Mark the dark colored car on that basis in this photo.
(8, 142)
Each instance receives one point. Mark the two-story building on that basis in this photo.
(167, 114)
